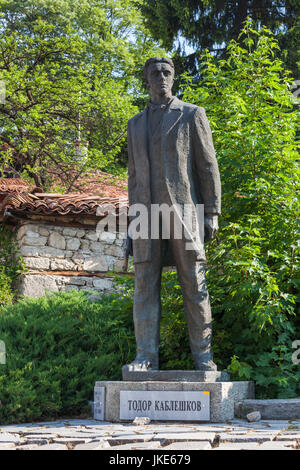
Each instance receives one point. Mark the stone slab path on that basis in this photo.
(95, 435)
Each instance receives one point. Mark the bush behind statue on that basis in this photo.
(253, 274)
(57, 347)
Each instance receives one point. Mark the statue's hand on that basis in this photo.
(128, 247)
(210, 227)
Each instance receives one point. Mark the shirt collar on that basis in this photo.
(154, 106)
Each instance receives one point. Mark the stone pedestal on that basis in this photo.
(174, 376)
(222, 398)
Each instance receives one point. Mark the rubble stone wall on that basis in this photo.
(48, 249)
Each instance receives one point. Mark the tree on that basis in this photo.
(253, 273)
(212, 24)
(72, 70)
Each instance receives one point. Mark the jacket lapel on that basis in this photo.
(172, 116)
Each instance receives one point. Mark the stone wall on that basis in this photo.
(61, 258)
(37, 285)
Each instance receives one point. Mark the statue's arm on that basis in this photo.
(131, 168)
(131, 186)
(207, 172)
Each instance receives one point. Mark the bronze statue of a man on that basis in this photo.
(171, 161)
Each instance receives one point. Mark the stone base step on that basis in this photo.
(174, 375)
(270, 409)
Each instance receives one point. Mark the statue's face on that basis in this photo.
(160, 78)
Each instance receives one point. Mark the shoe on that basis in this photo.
(206, 366)
(142, 365)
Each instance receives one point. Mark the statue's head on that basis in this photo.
(159, 76)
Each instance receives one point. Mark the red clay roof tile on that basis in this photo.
(92, 192)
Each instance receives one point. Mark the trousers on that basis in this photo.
(147, 302)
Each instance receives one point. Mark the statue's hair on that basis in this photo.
(155, 60)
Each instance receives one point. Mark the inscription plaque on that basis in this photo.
(165, 405)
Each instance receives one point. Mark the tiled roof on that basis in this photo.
(16, 197)
(8, 185)
(94, 182)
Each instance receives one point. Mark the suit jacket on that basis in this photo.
(189, 164)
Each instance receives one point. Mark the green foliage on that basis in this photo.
(11, 265)
(253, 273)
(212, 24)
(72, 70)
(57, 347)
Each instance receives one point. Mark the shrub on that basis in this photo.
(57, 347)
(253, 265)
(242, 347)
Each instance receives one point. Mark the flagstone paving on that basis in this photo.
(95, 435)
